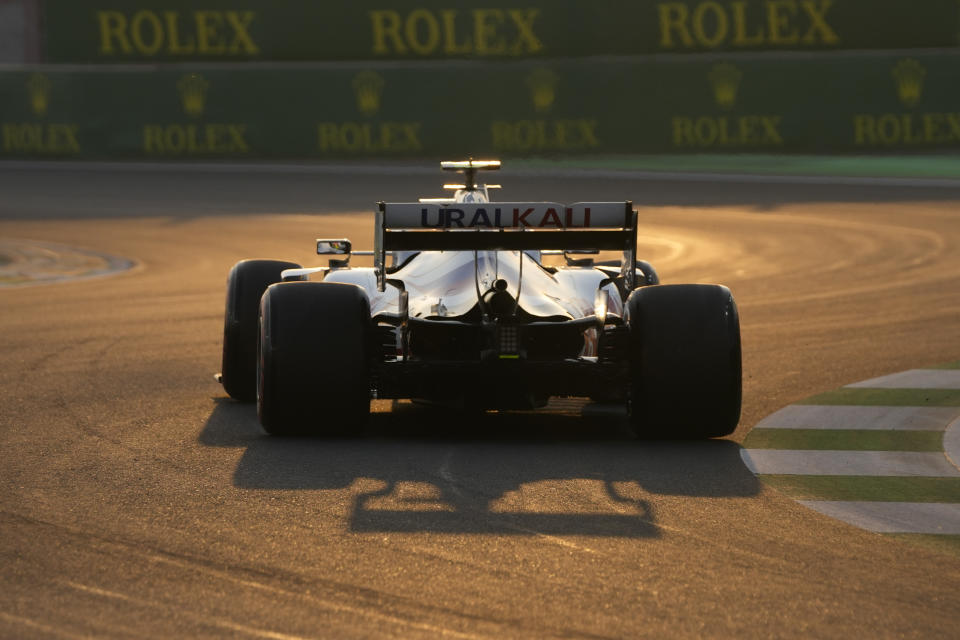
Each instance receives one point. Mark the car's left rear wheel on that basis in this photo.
(246, 283)
(313, 369)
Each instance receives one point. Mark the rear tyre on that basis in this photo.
(313, 373)
(646, 275)
(247, 281)
(685, 361)
(650, 275)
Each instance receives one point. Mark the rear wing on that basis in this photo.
(496, 226)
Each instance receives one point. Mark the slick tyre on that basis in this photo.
(247, 281)
(685, 361)
(313, 374)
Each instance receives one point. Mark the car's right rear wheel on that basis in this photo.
(685, 361)
(313, 370)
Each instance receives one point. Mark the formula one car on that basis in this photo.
(461, 309)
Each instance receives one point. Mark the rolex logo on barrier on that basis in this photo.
(193, 94)
(725, 80)
(543, 88)
(726, 131)
(38, 87)
(909, 75)
(543, 133)
(368, 87)
(368, 136)
(39, 138)
(910, 128)
(197, 138)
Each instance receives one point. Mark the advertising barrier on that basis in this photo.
(111, 31)
(856, 103)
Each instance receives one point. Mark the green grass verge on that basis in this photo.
(844, 440)
(867, 488)
(887, 397)
(915, 166)
(949, 365)
(944, 543)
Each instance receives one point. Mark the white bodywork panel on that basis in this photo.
(441, 284)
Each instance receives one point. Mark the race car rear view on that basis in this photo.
(461, 309)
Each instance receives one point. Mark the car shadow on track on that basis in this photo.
(430, 470)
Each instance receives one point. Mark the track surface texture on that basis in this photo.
(138, 501)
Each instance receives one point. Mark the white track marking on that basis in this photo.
(848, 463)
(893, 517)
(874, 515)
(809, 416)
(913, 379)
(951, 443)
(39, 626)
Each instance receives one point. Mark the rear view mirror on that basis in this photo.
(333, 247)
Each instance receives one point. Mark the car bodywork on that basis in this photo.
(463, 307)
(467, 313)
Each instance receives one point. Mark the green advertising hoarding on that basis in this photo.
(110, 31)
(857, 103)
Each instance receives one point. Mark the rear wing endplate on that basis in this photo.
(506, 226)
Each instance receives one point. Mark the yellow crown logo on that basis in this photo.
(38, 87)
(725, 79)
(368, 87)
(908, 75)
(543, 88)
(193, 94)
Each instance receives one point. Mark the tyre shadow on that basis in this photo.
(419, 469)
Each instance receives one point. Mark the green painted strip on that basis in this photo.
(887, 397)
(949, 365)
(867, 488)
(943, 543)
(921, 166)
(844, 440)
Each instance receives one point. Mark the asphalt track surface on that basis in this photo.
(138, 501)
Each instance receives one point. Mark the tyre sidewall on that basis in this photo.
(246, 283)
(314, 358)
(685, 361)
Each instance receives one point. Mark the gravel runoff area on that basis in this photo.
(882, 454)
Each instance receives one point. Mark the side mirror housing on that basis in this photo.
(326, 247)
